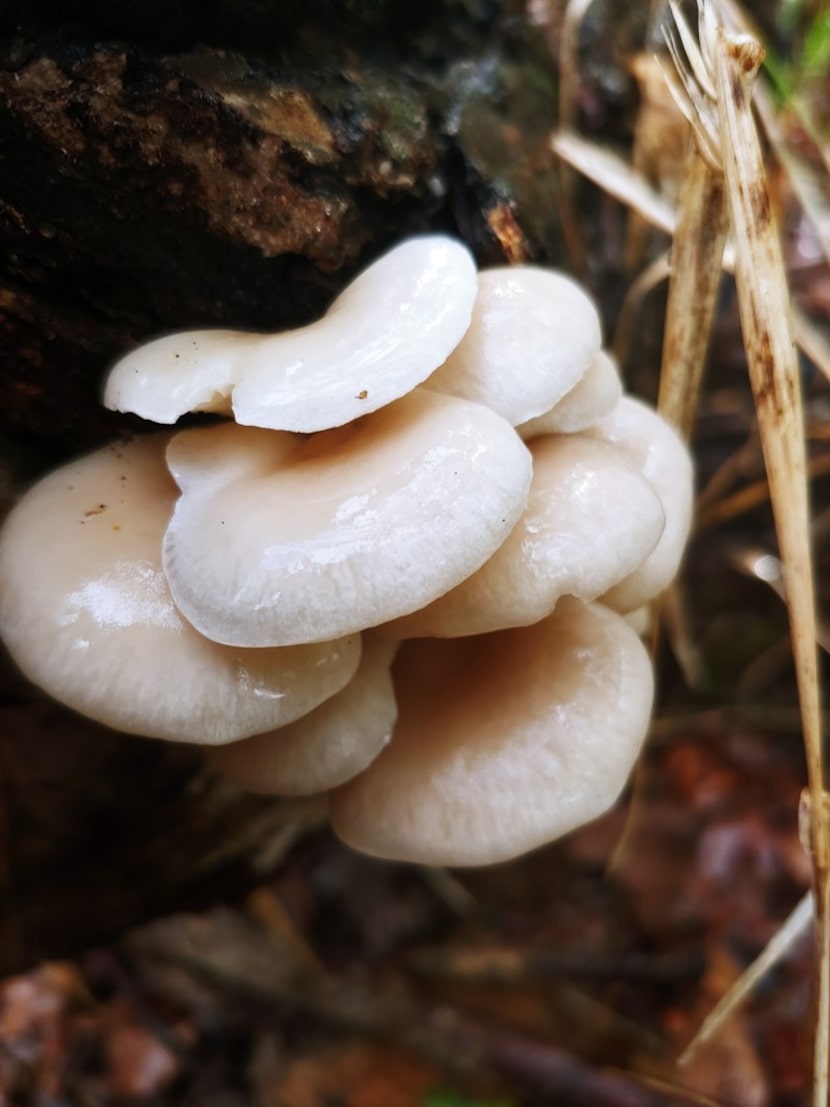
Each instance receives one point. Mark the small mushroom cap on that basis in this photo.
(533, 334)
(328, 746)
(503, 742)
(279, 539)
(382, 336)
(641, 620)
(660, 455)
(86, 613)
(593, 397)
(591, 519)
(187, 371)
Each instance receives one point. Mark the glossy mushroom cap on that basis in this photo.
(591, 519)
(594, 396)
(346, 507)
(503, 742)
(331, 744)
(279, 539)
(533, 334)
(657, 451)
(385, 333)
(87, 615)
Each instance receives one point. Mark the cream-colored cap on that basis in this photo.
(657, 451)
(591, 519)
(533, 335)
(279, 539)
(328, 746)
(382, 336)
(503, 742)
(86, 613)
(594, 396)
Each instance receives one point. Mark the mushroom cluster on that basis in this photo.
(398, 573)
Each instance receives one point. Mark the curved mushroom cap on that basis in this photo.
(503, 742)
(331, 744)
(86, 613)
(279, 539)
(591, 518)
(532, 336)
(189, 371)
(382, 336)
(660, 455)
(593, 397)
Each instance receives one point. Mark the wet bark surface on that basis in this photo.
(156, 177)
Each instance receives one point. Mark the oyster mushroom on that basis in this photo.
(279, 539)
(656, 449)
(533, 334)
(382, 336)
(86, 613)
(594, 396)
(591, 518)
(327, 746)
(503, 742)
(233, 614)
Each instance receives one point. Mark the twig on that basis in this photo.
(776, 948)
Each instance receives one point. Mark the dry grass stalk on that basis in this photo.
(811, 127)
(778, 946)
(716, 92)
(809, 188)
(697, 256)
(716, 512)
(614, 176)
(568, 109)
(628, 320)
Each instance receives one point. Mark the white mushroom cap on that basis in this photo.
(280, 539)
(382, 336)
(660, 455)
(641, 620)
(533, 334)
(187, 371)
(593, 397)
(86, 613)
(591, 519)
(328, 746)
(503, 742)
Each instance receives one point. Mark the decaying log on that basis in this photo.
(144, 190)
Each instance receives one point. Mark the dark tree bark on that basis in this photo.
(155, 176)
